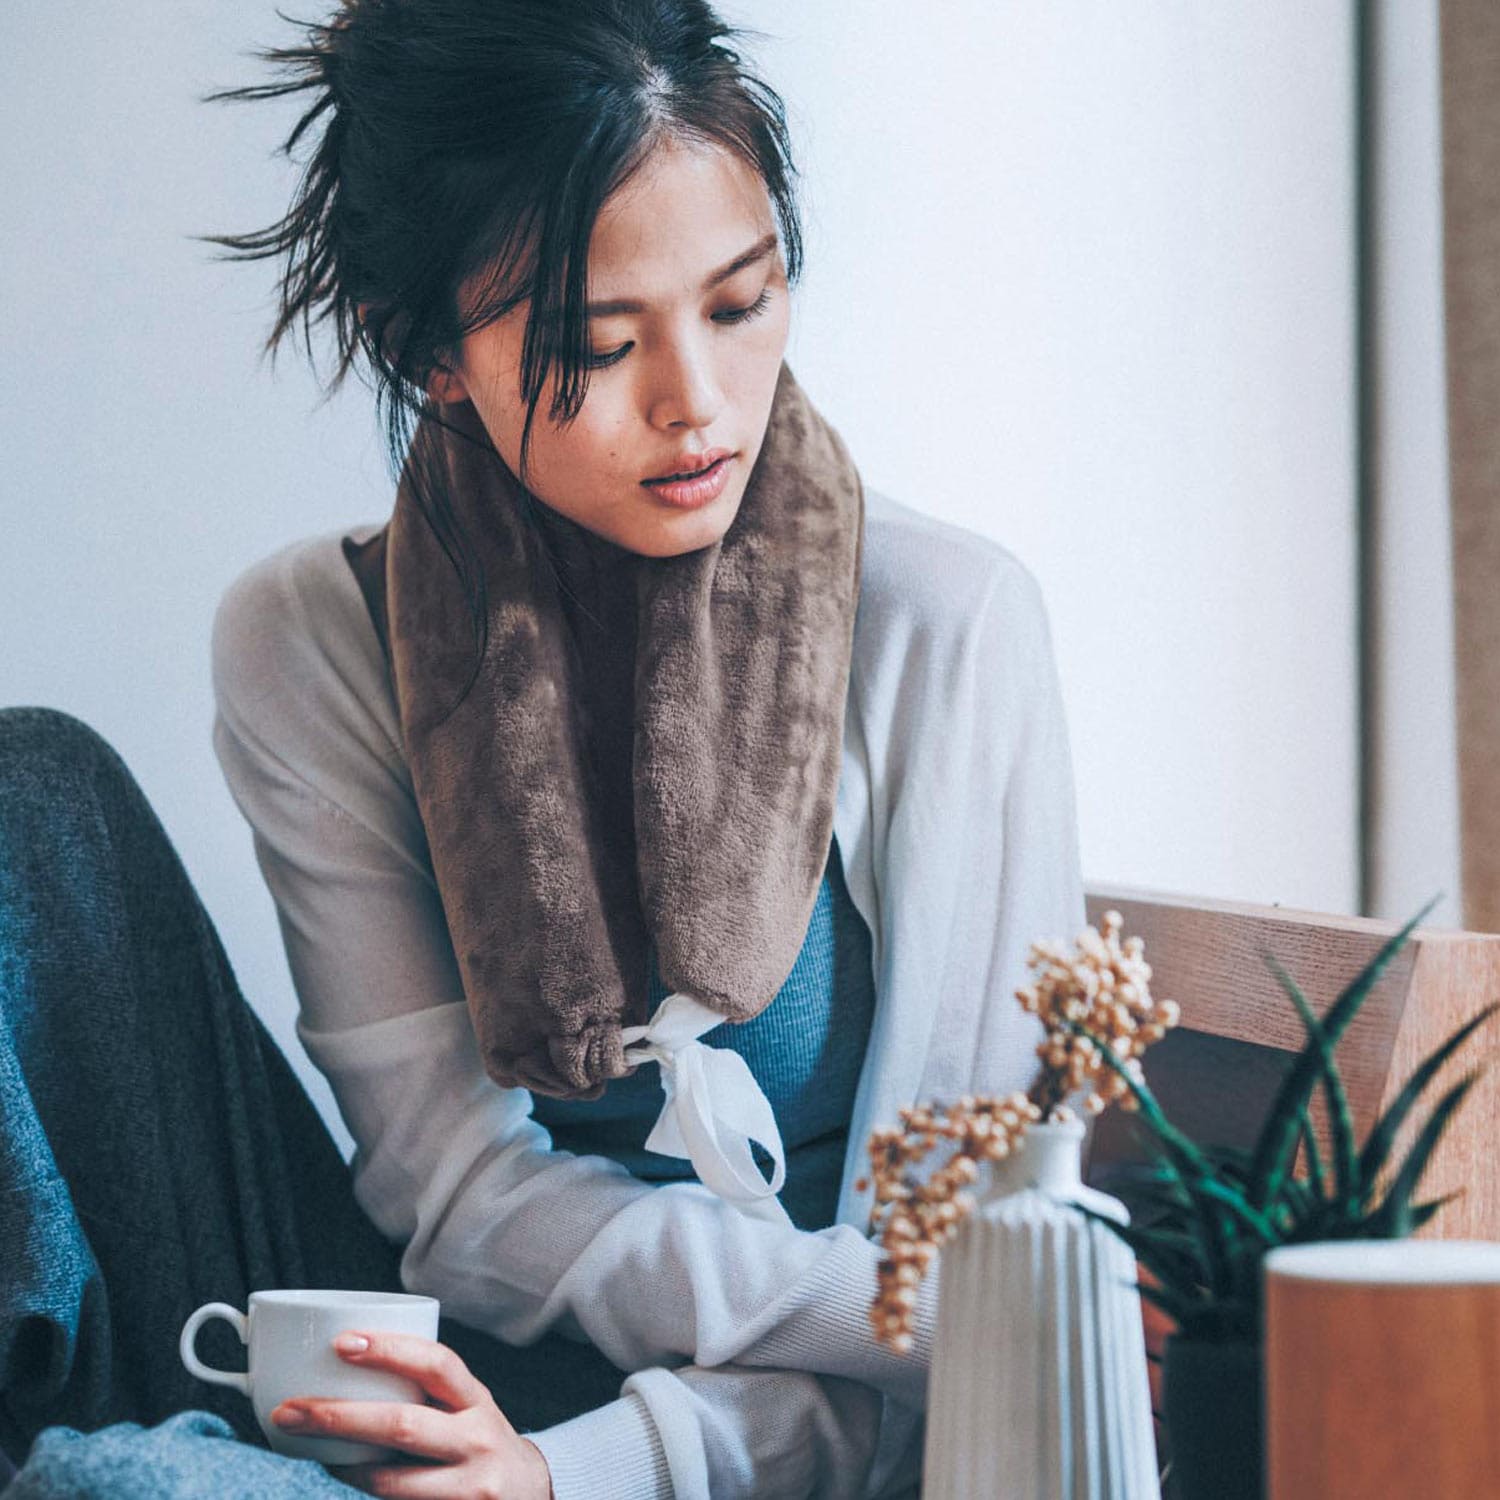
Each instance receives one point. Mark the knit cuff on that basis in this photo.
(829, 1329)
(613, 1451)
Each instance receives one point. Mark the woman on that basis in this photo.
(590, 805)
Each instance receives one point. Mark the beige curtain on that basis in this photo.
(1470, 45)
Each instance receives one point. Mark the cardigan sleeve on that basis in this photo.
(734, 1433)
(514, 1237)
(972, 842)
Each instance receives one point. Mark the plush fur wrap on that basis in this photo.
(650, 752)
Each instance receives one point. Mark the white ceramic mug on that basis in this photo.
(289, 1339)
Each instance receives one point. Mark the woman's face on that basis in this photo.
(681, 372)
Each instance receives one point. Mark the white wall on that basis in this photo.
(1080, 277)
(1415, 841)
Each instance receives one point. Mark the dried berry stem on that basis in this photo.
(1103, 986)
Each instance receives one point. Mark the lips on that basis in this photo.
(689, 465)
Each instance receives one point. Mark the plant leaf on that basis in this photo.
(1422, 1212)
(1180, 1154)
(1234, 1201)
(1198, 1175)
(1298, 1200)
(1199, 1215)
(1179, 1147)
(1283, 1120)
(1172, 1256)
(1383, 1133)
(1314, 1155)
(1394, 1216)
(1177, 1307)
(1340, 1123)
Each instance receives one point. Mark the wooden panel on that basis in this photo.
(1218, 1071)
(1214, 1088)
(1456, 975)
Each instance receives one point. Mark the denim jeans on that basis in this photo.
(156, 1152)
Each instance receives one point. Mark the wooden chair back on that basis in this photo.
(1217, 1071)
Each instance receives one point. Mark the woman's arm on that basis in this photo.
(739, 1433)
(731, 1432)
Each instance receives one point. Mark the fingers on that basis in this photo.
(397, 1483)
(433, 1365)
(421, 1430)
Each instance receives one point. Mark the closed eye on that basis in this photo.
(730, 315)
(744, 314)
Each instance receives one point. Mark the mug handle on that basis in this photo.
(186, 1345)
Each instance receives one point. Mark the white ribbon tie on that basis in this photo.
(714, 1107)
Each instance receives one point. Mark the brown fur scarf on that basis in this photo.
(649, 754)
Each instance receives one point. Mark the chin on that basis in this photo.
(687, 531)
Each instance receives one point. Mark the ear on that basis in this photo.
(443, 384)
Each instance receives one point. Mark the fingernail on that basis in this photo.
(351, 1343)
(291, 1416)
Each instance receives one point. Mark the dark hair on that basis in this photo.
(479, 139)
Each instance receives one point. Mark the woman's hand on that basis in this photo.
(479, 1455)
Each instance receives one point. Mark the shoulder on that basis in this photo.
(930, 582)
(297, 668)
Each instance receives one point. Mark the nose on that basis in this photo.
(686, 390)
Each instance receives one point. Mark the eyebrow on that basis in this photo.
(757, 251)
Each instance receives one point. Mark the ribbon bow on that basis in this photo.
(714, 1107)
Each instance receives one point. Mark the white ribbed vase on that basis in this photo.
(1038, 1383)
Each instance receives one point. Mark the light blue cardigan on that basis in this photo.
(754, 1367)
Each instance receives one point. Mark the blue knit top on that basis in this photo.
(805, 1050)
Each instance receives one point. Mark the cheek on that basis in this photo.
(592, 445)
(765, 340)
(766, 346)
(499, 406)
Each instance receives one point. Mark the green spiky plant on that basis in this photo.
(1212, 1212)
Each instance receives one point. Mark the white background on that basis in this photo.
(1080, 277)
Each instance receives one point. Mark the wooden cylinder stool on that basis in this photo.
(1382, 1369)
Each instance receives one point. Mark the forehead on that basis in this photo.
(688, 209)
